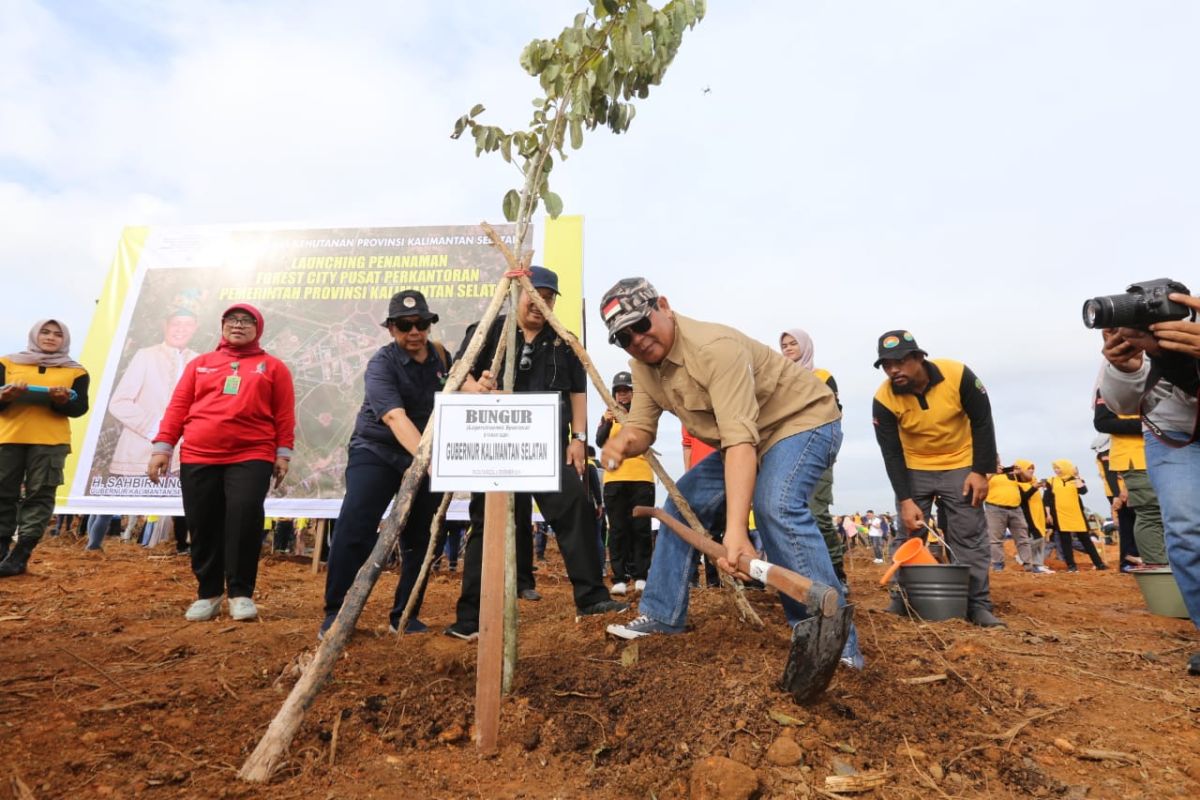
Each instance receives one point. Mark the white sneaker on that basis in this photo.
(877, 560)
(203, 609)
(242, 609)
(640, 585)
(619, 588)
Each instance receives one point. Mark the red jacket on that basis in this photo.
(256, 424)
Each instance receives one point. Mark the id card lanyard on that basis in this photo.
(233, 382)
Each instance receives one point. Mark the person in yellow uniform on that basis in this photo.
(1062, 497)
(1035, 514)
(933, 423)
(629, 485)
(1004, 513)
(41, 389)
(1127, 458)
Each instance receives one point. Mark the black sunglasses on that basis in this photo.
(406, 325)
(526, 358)
(624, 336)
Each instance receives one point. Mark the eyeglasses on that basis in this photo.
(526, 358)
(624, 336)
(240, 322)
(406, 325)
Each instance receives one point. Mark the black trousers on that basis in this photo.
(629, 542)
(371, 483)
(572, 518)
(181, 533)
(1084, 539)
(223, 504)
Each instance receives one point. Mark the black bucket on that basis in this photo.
(936, 591)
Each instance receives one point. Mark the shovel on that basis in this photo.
(817, 642)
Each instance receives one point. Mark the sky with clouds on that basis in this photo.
(969, 171)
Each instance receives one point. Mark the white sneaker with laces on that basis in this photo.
(640, 585)
(203, 609)
(619, 588)
(641, 626)
(242, 609)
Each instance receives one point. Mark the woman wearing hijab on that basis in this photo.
(234, 408)
(41, 387)
(1067, 513)
(797, 345)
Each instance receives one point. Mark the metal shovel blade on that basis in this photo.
(817, 644)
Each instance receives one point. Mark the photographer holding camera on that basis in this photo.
(1152, 345)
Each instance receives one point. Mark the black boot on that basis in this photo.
(5, 543)
(15, 563)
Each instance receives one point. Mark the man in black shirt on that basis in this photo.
(545, 363)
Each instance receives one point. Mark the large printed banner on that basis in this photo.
(323, 294)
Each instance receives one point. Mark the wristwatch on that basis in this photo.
(579, 437)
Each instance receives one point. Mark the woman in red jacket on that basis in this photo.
(235, 411)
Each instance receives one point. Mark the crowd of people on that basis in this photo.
(762, 429)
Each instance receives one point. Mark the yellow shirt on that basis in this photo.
(1068, 508)
(937, 437)
(636, 468)
(1128, 451)
(1036, 514)
(1003, 491)
(35, 423)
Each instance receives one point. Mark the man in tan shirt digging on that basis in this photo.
(776, 424)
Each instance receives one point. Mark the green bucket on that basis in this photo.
(1161, 592)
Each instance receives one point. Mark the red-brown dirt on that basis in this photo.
(105, 691)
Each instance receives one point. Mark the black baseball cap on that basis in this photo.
(622, 379)
(896, 345)
(409, 303)
(543, 278)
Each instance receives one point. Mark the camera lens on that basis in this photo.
(1097, 312)
(1117, 311)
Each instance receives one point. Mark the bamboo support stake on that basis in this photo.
(318, 528)
(261, 763)
(509, 664)
(435, 531)
(489, 659)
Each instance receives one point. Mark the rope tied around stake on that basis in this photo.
(525, 272)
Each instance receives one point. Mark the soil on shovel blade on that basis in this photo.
(106, 691)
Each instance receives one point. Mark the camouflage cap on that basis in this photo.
(630, 300)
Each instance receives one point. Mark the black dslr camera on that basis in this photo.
(1142, 305)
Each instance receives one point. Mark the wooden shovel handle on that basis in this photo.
(817, 596)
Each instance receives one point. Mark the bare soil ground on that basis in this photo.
(105, 691)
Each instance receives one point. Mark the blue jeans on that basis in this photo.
(98, 527)
(1175, 474)
(786, 477)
